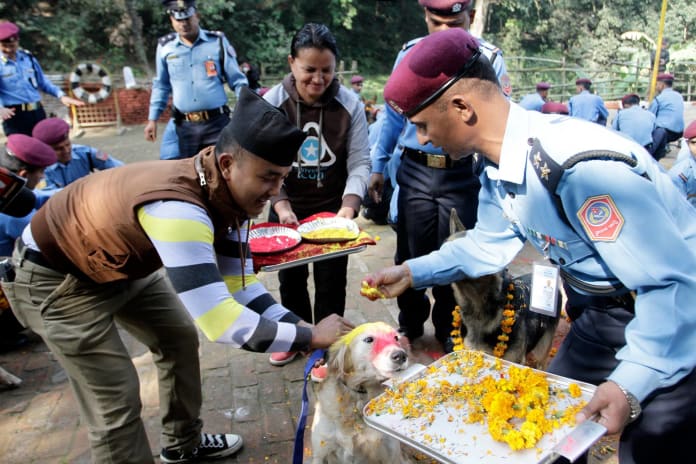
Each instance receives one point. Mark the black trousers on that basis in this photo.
(662, 433)
(23, 121)
(426, 197)
(330, 279)
(661, 137)
(195, 136)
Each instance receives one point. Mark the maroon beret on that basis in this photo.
(543, 86)
(583, 80)
(51, 131)
(690, 131)
(7, 30)
(626, 100)
(30, 150)
(445, 7)
(554, 107)
(431, 67)
(356, 79)
(665, 77)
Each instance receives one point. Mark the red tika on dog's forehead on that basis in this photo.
(384, 335)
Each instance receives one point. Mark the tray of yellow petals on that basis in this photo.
(469, 406)
(329, 229)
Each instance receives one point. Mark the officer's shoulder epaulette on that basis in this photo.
(26, 52)
(410, 43)
(216, 33)
(165, 39)
(489, 47)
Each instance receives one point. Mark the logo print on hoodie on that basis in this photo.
(314, 154)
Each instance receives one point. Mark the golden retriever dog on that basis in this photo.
(358, 364)
(481, 302)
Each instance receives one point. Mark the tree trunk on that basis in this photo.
(479, 23)
(138, 44)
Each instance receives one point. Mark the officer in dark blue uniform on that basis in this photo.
(430, 183)
(21, 79)
(193, 65)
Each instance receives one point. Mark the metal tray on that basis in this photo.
(312, 259)
(453, 441)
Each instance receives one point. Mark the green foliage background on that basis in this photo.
(585, 33)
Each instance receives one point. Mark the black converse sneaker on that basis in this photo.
(212, 446)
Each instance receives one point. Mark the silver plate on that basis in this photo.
(312, 259)
(291, 235)
(329, 223)
(453, 441)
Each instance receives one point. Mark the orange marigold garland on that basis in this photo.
(457, 340)
(506, 323)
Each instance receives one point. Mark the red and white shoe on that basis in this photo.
(282, 358)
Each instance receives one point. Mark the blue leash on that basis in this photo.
(298, 452)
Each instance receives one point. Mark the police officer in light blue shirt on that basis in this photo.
(668, 108)
(593, 203)
(430, 183)
(586, 105)
(534, 101)
(74, 161)
(21, 79)
(634, 121)
(683, 173)
(193, 64)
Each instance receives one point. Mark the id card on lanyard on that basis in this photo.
(544, 294)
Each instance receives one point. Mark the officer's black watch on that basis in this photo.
(633, 403)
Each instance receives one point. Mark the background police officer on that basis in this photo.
(668, 108)
(534, 101)
(430, 183)
(634, 121)
(21, 79)
(193, 65)
(586, 105)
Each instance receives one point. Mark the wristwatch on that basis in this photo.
(633, 403)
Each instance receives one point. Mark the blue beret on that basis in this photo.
(264, 130)
(180, 9)
(7, 30)
(30, 150)
(543, 86)
(445, 7)
(51, 130)
(429, 69)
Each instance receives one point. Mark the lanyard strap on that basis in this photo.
(298, 452)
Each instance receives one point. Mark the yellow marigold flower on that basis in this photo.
(574, 390)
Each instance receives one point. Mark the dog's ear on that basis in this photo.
(340, 360)
(456, 223)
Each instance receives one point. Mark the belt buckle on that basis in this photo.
(195, 117)
(437, 161)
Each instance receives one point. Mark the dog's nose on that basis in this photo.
(399, 356)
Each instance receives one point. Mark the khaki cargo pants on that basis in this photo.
(77, 319)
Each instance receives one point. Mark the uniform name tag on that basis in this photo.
(210, 68)
(544, 297)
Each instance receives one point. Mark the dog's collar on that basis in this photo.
(361, 389)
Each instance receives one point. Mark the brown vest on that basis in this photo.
(90, 228)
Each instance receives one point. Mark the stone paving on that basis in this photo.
(242, 392)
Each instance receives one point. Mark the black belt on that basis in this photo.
(430, 160)
(34, 256)
(26, 106)
(578, 302)
(199, 116)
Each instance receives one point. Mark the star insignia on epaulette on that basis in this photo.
(537, 160)
(544, 172)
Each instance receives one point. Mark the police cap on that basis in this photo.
(180, 9)
(630, 99)
(583, 81)
(554, 108)
(51, 131)
(264, 130)
(543, 86)
(30, 150)
(665, 77)
(356, 79)
(445, 7)
(8, 29)
(690, 131)
(433, 66)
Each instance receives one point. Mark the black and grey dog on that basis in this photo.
(482, 301)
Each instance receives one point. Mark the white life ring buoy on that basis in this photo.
(87, 69)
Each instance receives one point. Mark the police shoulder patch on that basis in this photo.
(101, 156)
(166, 38)
(601, 218)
